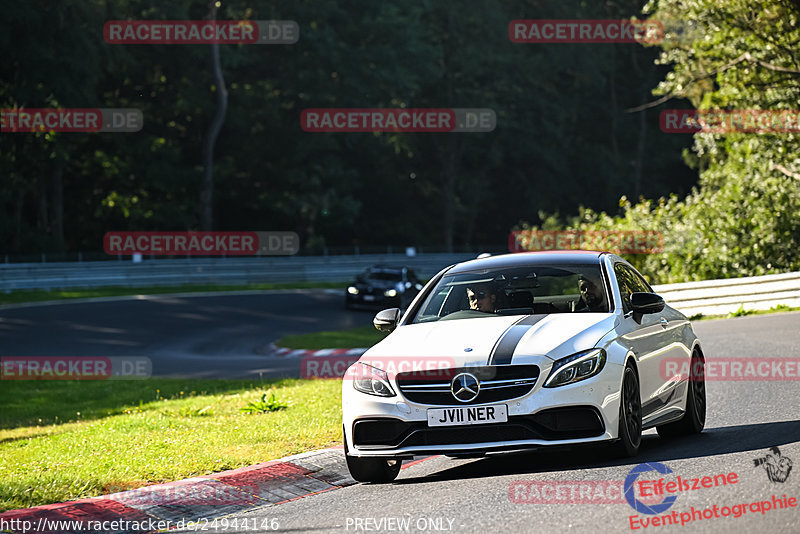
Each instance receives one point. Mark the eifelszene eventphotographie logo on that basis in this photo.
(776, 465)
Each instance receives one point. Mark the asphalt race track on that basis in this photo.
(217, 336)
(744, 420)
(221, 336)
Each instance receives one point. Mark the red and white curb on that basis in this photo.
(325, 363)
(205, 497)
(283, 352)
(194, 499)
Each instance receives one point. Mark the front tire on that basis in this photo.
(375, 470)
(371, 469)
(630, 415)
(694, 419)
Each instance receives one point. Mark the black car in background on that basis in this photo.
(383, 286)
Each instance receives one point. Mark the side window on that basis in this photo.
(638, 284)
(625, 284)
(434, 304)
(629, 282)
(456, 300)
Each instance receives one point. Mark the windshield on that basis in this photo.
(383, 275)
(516, 291)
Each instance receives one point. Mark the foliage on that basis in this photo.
(741, 312)
(741, 220)
(563, 138)
(560, 110)
(264, 405)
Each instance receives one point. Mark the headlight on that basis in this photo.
(371, 380)
(390, 292)
(575, 368)
(352, 290)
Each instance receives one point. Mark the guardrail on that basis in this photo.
(233, 271)
(719, 297)
(709, 297)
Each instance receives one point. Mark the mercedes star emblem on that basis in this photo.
(465, 387)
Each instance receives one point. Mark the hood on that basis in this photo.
(471, 342)
(375, 283)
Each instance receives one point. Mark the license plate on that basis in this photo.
(468, 415)
(369, 297)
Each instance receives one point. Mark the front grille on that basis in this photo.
(497, 383)
(377, 291)
(574, 422)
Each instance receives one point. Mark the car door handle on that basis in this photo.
(664, 322)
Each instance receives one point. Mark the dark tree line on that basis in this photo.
(563, 136)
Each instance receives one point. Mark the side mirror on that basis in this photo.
(644, 303)
(387, 320)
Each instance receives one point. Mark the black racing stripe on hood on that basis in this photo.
(504, 348)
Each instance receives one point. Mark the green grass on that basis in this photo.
(68, 440)
(742, 312)
(352, 338)
(366, 336)
(38, 295)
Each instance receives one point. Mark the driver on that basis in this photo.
(482, 297)
(592, 298)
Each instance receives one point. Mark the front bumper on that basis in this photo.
(583, 412)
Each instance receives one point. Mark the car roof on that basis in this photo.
(522, 259)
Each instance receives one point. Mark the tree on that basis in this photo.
(742, 219)
(221, 93)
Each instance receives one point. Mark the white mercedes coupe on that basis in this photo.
(522, 351)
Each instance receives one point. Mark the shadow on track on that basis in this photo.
(712, 442)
